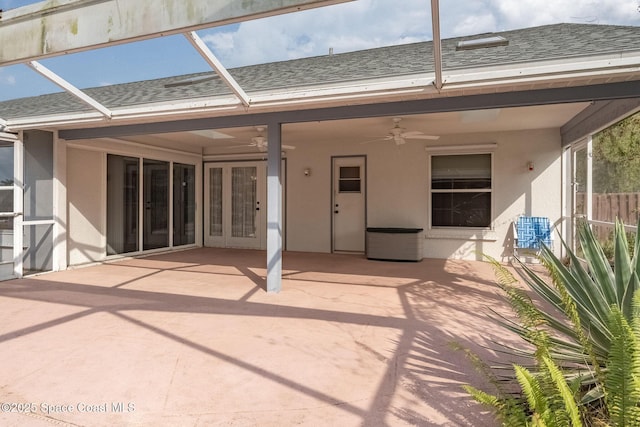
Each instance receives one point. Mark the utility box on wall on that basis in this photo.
(394, 244)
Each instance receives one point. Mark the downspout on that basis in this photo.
(437, 44)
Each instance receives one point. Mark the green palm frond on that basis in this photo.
(569, 405)
(508, 410)
(533, 391)
(584, 336)
(623, 372)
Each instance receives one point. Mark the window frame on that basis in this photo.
(461, 231)
(9, 188)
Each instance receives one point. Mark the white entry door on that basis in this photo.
(235, 211)
(349, 204)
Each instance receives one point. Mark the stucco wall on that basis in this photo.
(398, 190)
(85, 240)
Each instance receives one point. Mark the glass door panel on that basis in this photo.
(184, 204)
(580, 182)
(215, 204)
(122, 204)
(244, 201)
(6, 210)
(156, 204)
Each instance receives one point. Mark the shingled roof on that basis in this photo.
(549, 42)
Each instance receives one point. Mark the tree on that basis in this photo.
(616, 157)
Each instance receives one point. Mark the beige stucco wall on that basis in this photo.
(398, 190)
(85, 239)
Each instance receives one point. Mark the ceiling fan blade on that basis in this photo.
(386, 138)
(430, 137)
(411, 133)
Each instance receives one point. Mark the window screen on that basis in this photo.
(461, 189)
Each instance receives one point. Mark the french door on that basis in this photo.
(235, 208)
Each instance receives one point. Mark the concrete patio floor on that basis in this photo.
(191, 338)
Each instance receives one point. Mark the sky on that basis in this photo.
(356, 25)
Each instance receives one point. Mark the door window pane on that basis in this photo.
(184, 204)
(243, 201)
(156, 204)
(215, 201)
(122, 204)
(349, 181)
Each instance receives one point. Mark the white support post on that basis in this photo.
(59, 203)
(437, 44)
(70, 88)
(589, 195)
(18, 205)
(170, 207)
(214, 63)
(274, 208)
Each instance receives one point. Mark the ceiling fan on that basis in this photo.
(399, 135)
(260, 141)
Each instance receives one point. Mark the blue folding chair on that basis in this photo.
(530, 232)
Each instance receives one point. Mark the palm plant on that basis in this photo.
(582, 295)
(587, 329)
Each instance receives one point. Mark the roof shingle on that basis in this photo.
(549, 42)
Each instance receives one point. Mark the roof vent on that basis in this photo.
(190, 81)
(492, 41)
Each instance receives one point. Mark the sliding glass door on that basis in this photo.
(138, 204)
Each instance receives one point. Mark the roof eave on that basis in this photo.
(484, 79)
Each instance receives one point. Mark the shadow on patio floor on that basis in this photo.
(192, 338)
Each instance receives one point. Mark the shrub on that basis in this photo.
(584, 339)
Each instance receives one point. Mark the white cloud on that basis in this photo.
(370, 23)
(345, 27)
(7, 79)
(516, 14)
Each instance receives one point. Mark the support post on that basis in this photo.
(59, 203)
(18, 205)
(274, 208)
(437, 44)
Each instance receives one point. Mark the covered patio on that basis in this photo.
(192, 338)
